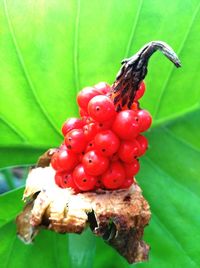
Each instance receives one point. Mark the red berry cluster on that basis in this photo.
(101, 148)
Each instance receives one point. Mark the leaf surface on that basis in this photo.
(49, 51)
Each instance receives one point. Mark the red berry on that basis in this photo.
(58, 178)
(103, 87)
(125, 125)
(107, 142)
(65, 180)
(143, 144)
(140, 91)
(54, 161)
(104, 125)
(90, 130)
(131, 169)
(67, 160)
(114, 157)
(63, 147)
(144, 120)
(99, 184)
(134, 106)
(90, 146)
(114, 177)
(75, 140)
(83, 181)
(87, 120)
(94, 163)
(85, 95)
(83, 112)
(128, 151)
(127, 183)
(101, 108)
(80, 156)
(70, 124)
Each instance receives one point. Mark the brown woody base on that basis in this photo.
(119, 217)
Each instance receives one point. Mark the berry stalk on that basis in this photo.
(134, 70)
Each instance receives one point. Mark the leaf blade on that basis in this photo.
(67, 45)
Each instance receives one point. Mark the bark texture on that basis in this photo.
(119, 217)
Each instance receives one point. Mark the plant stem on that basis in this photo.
(81, 249)
(134, 70)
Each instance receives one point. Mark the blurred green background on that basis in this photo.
(51, 49)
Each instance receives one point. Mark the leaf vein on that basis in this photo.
(163, 90)
(14, 129)
(181, 140)
(156, 167)
(10, 251)
(133, 30)
(25, 71)
(166, 229)
(178, 184)
(172, 118)
(76, 52)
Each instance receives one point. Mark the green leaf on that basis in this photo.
(49, 250)
(11, 204)
(49, 51)
(82, 249)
